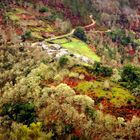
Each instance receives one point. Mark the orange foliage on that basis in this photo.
(72, 82)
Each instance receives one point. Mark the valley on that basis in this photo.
(69, 70)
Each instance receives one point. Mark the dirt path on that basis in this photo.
(71, 33)
(92, 24)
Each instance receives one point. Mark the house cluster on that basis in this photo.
(56, 51)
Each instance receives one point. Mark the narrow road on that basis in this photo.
(71, 33)
(92, 24)
(61, 36)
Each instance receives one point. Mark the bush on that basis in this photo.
(63, 61)
(68, 129)
(90, 112)
(26, 36)
(51, 18)
(43, 10)
(98, 69)
(130, 76)
(19, 112)
(119, 35)
(23, 132)
(80, 33)
(136, 91)
(2, 5)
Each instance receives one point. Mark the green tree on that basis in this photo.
(98, 69)
(131, 76)
(80, 33)
(43, 10)
(26, 36)
(63, 61)
(20, 112)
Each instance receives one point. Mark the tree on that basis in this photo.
(43, 10)
(80, 33)
(26, 36)
(63, 61)
(131, 76)
(98, 69)
(20, 112)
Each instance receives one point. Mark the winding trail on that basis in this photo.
(92, 24)
(71, 33)
(61, 36)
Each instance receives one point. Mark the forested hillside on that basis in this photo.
(69, 70)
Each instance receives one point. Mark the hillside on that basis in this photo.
(69, 70)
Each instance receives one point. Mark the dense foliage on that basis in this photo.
(131, 76)
(19, 112)
(39, 95)
(26, 36)
(48, 92)
(63, 61)
(98, 69)
(43, 9)
(80, 33)
(120, 36)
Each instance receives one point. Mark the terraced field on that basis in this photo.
(35, 23)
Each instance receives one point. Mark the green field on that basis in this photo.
(78, 47)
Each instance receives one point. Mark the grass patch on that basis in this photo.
(49, 29)
(36, 35)
(34, 24)
(37, 29)
(84, 87)
(12, 16)
(117, 95)
(121, 96)
(61, 41)
(78, 47)
(19, 11)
